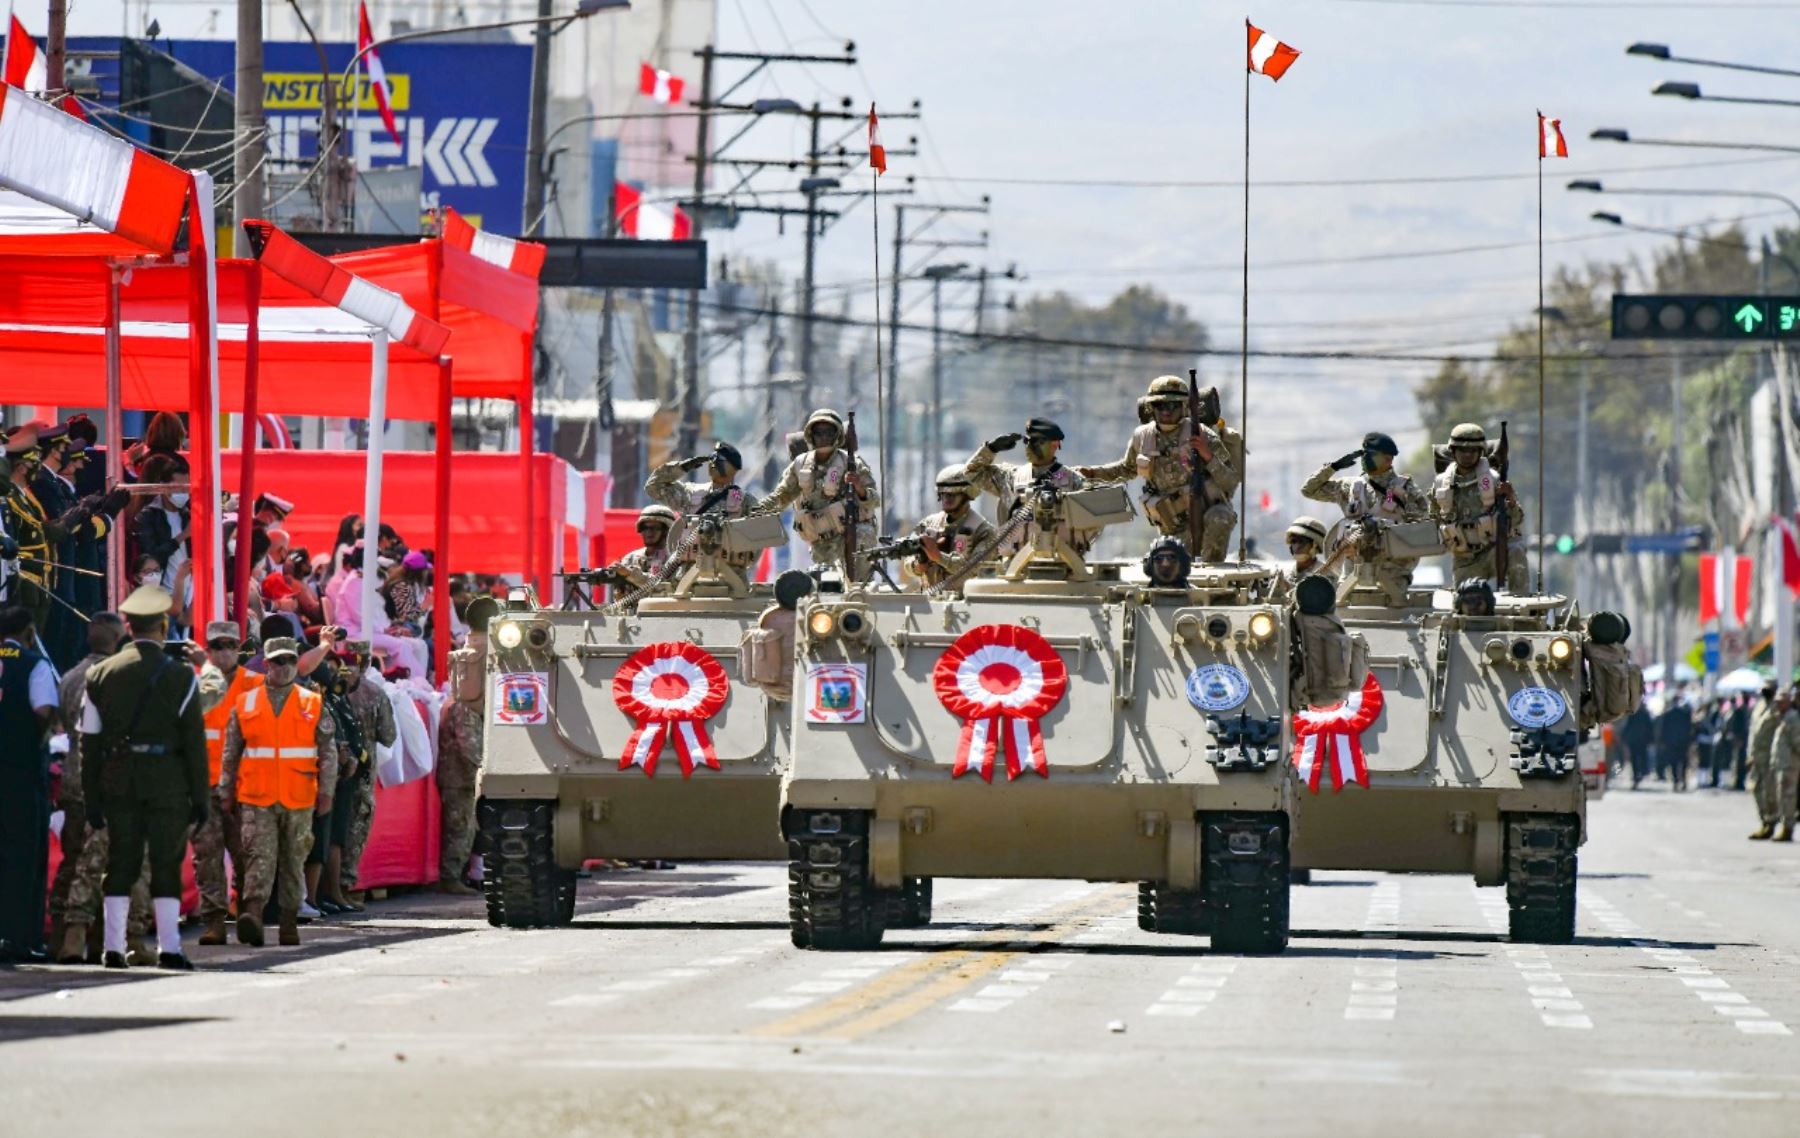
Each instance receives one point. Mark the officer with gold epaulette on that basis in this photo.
(145, 772)
(37, 530)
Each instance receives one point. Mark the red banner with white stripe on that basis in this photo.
(1330, 738)
(671, 688)
(1000, 679)
(1725, 580)
(337, 286)
(525, 257)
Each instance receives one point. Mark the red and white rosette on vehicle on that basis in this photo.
(1001, 679)
(1331, 738)
(671, 688)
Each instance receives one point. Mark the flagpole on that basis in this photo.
(1243, 342)
(880, 386)
(1542, 520)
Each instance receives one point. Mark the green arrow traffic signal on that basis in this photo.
(1565, 544)
(1748, 317)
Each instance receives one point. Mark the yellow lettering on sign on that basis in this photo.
(303, 91)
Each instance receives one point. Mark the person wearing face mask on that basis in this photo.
(280, 763)
(817, 484)
(1467, 499)
(1010, 482)
(1381, 494)
(1306, 545)
(161, 525)
(223, 684)
(29, 712)
(951, 536)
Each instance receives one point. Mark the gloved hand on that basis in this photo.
(198, 816)
(1348, 460)
(96, 817)
(115, 500)
(1002, 443)
(696, 462)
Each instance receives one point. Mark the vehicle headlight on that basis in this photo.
(1561, 649)
(508, 634)
(1217, 627)
(1262, 625)
(821, 623)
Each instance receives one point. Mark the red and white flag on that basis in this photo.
(1268, 55)
(1790, 555)
(646, 221)
(25, 64)
(1551, 143)
(1724, 586)
(660, 85)
(877, 152)
(365, 43)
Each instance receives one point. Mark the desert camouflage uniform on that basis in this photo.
(459, 762)
(816, 489)
(1465, 507)
(956, 541)
(376, 715)
(75, 892)
(1165, 460)
(1389, 497)
(1009, 481)
(692, 499)
(276, 839)
(1776, 781)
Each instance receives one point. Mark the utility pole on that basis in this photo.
(935, 424)
(246, 169)
(811, 185)
(687, 432)
(603, 379)
(56, 47)
(1583, 510)
(540, 107)
(1671, 638)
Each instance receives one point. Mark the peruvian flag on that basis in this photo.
(877, 152)
(1790, 556)
(661, 86)
(1551, 143)
(647, 222)
(365, 43)
(25, 65)
(1724, 586)
(1268, 55)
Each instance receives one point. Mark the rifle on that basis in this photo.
(852, 501)
(1197, 477)
(1503, 515)
(890, 547)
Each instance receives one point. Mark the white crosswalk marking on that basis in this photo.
(1194, 991)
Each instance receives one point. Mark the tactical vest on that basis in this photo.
(1368, 500)
(220, 714)
(280, 763)
(819, 513)
(1468, 535)
(21, 733)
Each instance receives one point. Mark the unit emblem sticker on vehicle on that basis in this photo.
(521, 699)
(1218, 687)
(1535, 707)
(837, 693)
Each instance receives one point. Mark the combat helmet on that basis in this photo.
(1167, 389)
(1467, 434)
(1308, 527)
(659, 515)
(1169, 546)
(1377, 443)
(954, 479)
(822, 415)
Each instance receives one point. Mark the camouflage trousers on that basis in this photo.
(1518, 569)
(830, 550)
(458, 775)
(76, 892)
(1774, 788)
(1171, 518)
(211, 843)
(1391, 577)
(362, 819)
(275, 841)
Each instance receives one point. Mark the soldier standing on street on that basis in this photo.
(1378, 494)
(1163, 452)
(1306, 544)
(222, 684)
(1764, 720)
(1010, 481)
(460, 748)
(29, 711)
(1466, 500)
(280, 763)
(70, 924)
(817, 484)
(948, 537)
(1775, 761)
(144, 772)
(375, 715)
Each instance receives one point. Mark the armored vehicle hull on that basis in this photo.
(1041, 730)
(1472, 763)
(679, 759)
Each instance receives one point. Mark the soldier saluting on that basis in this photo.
(1379, 494)
(1164, 451)
(1011, 482)
(142, 722)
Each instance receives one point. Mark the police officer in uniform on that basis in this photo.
(1381, 494)
(949, 537)
(818, 485)
(1306, 545)
(460, 748)
(1010, 481)
(1466, 500)
(1164, 451)
(144, 748)
(29, 710)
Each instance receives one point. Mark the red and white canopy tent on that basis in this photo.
(78, 205)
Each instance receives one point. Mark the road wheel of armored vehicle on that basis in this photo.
(833, 904)
(1181, 912)
(909, 907)
(1244, 880)
(1540, 877)
(524, 886)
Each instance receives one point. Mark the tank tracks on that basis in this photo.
(909, 907)
(1244, 880)
(1181, 912)
(523, 885)
(833, 904)
(1540, 877)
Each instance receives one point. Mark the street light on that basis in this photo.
(1692, 91)
(1588, 185)
(1614, 134)
(1768, 250)
(1660, 51)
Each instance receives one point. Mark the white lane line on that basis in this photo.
(585, 1000)
(1192, 992)
(1375, 987)
(781, 1003)
(1553, 1000)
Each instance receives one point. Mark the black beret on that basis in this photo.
(1043, 429)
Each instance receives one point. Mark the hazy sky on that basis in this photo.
(1396, 90)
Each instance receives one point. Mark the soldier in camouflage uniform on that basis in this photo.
(950, 536)
(1466, 500)
(1305, 542)
(284, 786)
(460, 748)
(1009, 482)
(376, 716)
(639, 567)
(1379, 494)
(818, 485)
(1163, 452)
(222, 681)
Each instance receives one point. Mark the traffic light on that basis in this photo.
(1565, 543)
(1682, 317)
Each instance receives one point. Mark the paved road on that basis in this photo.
(675, 1006)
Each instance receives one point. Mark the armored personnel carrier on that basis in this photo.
(630, 731)
(1057, 720)
(1464, 743)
